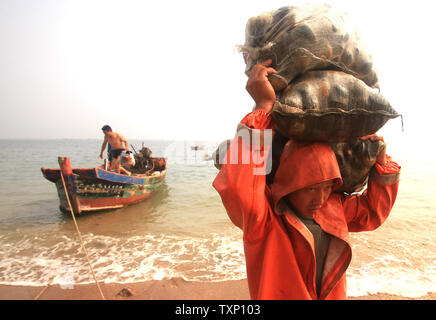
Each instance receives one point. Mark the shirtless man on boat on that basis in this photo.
(116, 141)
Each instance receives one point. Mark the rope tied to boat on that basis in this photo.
(80, 236)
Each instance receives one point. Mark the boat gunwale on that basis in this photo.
(76, 171)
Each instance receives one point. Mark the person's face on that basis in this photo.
(105, 132)
(309, 200)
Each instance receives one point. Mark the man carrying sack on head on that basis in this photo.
(295, 231)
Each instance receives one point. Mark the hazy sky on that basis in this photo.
(168, 69)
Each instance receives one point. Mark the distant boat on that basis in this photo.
(97, 189)
(197, 147)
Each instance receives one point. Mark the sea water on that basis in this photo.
(183, 231)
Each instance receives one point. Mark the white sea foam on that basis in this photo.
(402, 281)
(217, 257)
(393, 266)
(140, 258)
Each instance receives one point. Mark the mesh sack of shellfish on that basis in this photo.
(331, 106)
(308, 37)
(355, 160)
(220, 155)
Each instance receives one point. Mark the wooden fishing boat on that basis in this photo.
(97, 189)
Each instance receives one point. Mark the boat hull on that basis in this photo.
(97, 189)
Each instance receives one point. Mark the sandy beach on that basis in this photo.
(173, 289)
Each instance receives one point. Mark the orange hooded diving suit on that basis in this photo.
(279, 248)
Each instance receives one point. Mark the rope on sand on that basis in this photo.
(80, 237)
(43, 290)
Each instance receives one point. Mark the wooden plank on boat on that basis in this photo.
(119, 178)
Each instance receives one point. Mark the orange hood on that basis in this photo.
(303, 164)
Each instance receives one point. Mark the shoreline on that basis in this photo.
(169, 289)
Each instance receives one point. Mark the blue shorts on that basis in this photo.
(116, 153)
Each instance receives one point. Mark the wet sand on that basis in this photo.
(173, 289)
